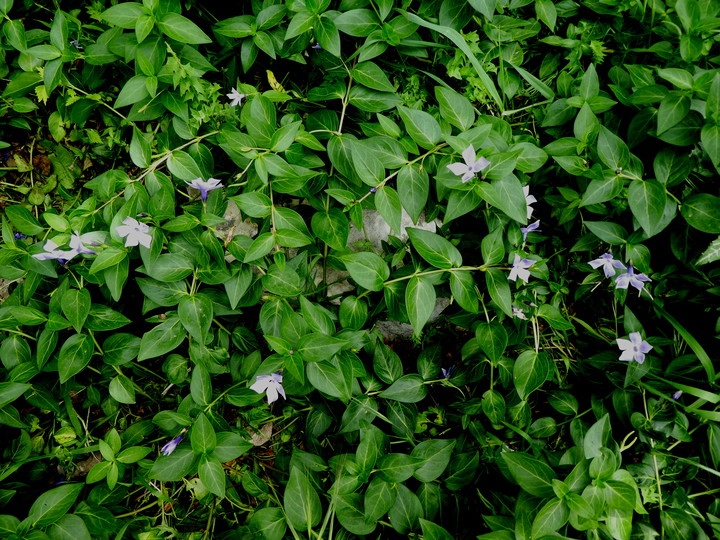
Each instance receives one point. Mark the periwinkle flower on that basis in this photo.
(20, 236)
(533, 227)
(519, 313)
(236, 98)
(446, 373)
(520, 269)
(53, 253)
(472, 165)
(170, 447)
(631, 278)
(271, 385)
(78, 241)
(529, 199)
(677, 395)
(634, 348)
(608, 265)
(204, 186)
(134, 233)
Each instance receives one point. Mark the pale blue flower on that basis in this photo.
(471, 165)
(446, 373)
(533, 227)
(78, 241)
(608, 265)
(204, 186)
(631, 278)
(53, 253)
(236, 98)
(634, 348)
(134, 233)
(529, 199)
(271, 385)
(519, 313)
(677, 395)
(170, 447)
(520, 269)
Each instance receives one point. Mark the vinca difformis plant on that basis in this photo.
(191, 341)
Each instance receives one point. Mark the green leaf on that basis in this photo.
(455, 108)
(21, 82)
(133, 91)
(432, 531)
(612, 150)
(710, 138)
(702, 212)
(435, 249)
(230, 446)
(492, 339)
(301, 502)
(406, 511)
(386, 364)
(196, 315)
(367, 269)
(371, 100)
(493, 405)
(76, 306)
(327, 35)
(413, 185)
(421, 126)
(612, 233)
(316, 347)
(435, 456)
(202, 435)
(212, 475)
(328, 378)
(505, 194)
(170, 267)
(531, 370)
(23, 220)
(711, 254)
(420, 302)
(357, 22)
(52, 505)
(174, 467)
(201, 386)
(673, 109)
(499, 289)
(140, 151)
(268, 523)
(124, 15)
(388, 204)
(162, 339)
(74, 355)
(462, 286)
(406, 389)
(107, 258)
(396, 467)
(547, 13)
(177, 27)
(369, 74)
(647, 201)
(531, 474)
(379, 498)
(556, 319)
(183, 166)
(122, 390)
(551, 517)
(69, 527)
(331, 227)
(10, 391)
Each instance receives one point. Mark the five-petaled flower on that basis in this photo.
(520, 269)
(204, 186)
(134, 232)
(634, 348)
(533, 227)
(78, 241)
(170, 447)
(517, 312)
(608, 265)
(631, 278)
(271, 384)
(471, 166)
(236, 98)
(53, 253)
(529, 199)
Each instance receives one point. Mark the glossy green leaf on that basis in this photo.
(74, 355)
(421, 126)
(76, 306)
(406, 389)
(162, 339)
(301, 502)
(367, 269)
(533, 475)
(530, 372)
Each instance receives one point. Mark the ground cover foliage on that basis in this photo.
(567, 153)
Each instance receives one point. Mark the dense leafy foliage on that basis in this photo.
(218, 223)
